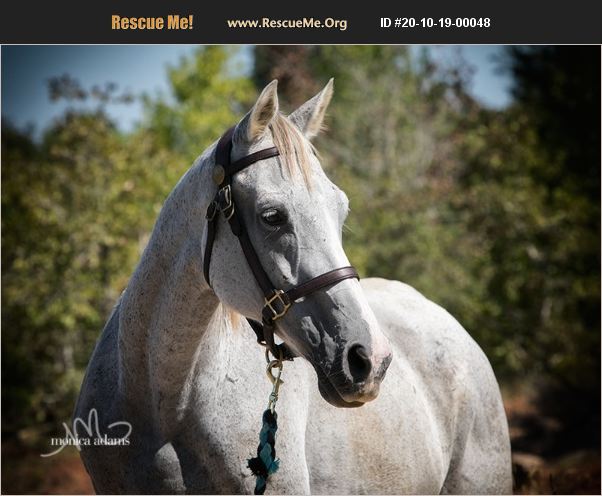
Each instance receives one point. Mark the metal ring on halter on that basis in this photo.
(225, 201)
(268, 351)
(276, 363)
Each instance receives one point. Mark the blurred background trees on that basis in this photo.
(493, 214)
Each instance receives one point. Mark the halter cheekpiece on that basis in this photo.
(277, 301)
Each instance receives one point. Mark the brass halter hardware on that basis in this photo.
(283, 303)
(219, 174)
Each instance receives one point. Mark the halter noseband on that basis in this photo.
(277, 301)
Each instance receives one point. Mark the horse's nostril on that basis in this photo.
(359, 363)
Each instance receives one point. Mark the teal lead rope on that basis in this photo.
(265, 463)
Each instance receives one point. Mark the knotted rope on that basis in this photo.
(265, 463)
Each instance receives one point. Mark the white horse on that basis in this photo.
(177, 362)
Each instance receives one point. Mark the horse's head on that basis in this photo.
(294, 216)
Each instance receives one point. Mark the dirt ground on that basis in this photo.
(24, 471)
(556, 452)
(547, 459)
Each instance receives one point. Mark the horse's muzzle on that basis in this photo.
(358, 379)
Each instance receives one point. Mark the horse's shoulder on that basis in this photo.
(400, 305)
(424, 332)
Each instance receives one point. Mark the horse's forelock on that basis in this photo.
(295, 149)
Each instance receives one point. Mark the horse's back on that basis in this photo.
(438, 423)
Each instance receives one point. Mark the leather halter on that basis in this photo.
(277, 301)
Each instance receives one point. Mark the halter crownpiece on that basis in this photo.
(277, 301)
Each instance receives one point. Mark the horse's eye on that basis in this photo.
(273, 217)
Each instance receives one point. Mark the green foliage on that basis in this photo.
(531, 184)
(209, 95)
(77, 210)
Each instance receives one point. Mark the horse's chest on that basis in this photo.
(227, 410)
(391, 445)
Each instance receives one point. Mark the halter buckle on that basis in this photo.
(278, 304)
(225, 201)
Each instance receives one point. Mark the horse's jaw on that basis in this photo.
(332, 396)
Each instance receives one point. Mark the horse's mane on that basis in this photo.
(225, 315)
(295, 149)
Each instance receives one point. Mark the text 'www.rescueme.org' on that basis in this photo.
(304, 23)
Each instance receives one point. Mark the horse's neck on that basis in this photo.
(167, 307)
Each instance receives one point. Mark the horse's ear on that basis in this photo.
(253, 125)
(309, 117)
